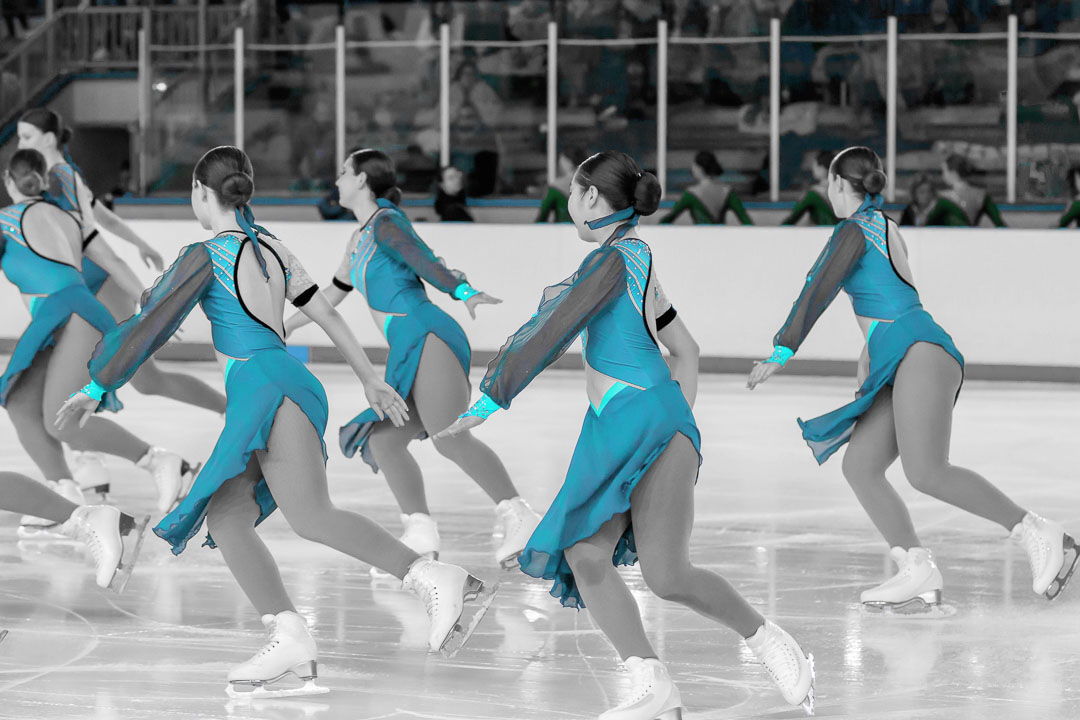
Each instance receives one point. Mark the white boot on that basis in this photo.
(289, 650)
(790, 668)
(34, 527)
(167, 469)
(103, 529)
(1051, 553)
(652, 694)
(915, 587)
(421, 535)
(89, 471)
(445, 589)
(515, 522)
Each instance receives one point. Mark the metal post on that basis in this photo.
(201, 40)
(444, 94)
(144, 111)
(661, 102)
(339, 81)
(238, 89)
(774, 109)
(50, 9)
(890, 109)
(1010, 113)
(552, 102)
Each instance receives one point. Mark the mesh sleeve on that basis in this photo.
(343, 276)
(396, 237)
(845, 248)
(665, 311)
(564, 312)
(299, 283)
(163, 308)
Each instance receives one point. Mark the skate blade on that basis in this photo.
(808, 704)
(3, 634)
(259, 692)
(920, 605)
(511, 563)
(43, 532)
(1068, 567)
(132, 533)
(481, 595)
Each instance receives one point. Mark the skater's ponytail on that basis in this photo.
(706, 160)
(227, 171)
(27, 171)
(380, 172)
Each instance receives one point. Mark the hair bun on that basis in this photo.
(647, 194)
(874, 181)
(65, 135)
(393, 194)
(237, 189)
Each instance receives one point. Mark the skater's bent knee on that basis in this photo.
(926, 478)
(668, 581)
(588, 562)
(451, 447)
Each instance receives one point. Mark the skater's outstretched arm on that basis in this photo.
(333, 295)
(99, 251)
(112, 222)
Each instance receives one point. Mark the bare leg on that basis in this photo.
(923, 396)
(606, 596)
(390, 447)
(231, 522)
(662, 508)
(869, 454)
(24, 407)
(296, 474)
(22, 495)
(441, 394)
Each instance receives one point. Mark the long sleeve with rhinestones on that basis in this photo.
(399, 240)
(565, 310)
(163, 309)
(826, 277)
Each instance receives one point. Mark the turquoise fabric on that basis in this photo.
(875, 288)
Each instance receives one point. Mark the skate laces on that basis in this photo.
(421, 585)
(779, 659)
(1034, 543)
(86, 533)
(642, 681)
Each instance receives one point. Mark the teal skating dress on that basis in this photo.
(615, 303)
(225, 275)
(858, 261)
(68, 189)
(385, 261)
(40, 251)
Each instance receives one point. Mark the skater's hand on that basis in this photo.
(480, 299)
(468, 422)
(151, 257)
(762, 371)
(79, 406)
(386, 403)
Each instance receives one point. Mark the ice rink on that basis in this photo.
(787, 533)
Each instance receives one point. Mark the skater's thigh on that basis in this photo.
(293, 464)
(923, 395)
(387, 438)
(441, 388)
(872, 448)
(67, 371)
(25, 399)
(234, 501)
(590, 558)
(662, 505)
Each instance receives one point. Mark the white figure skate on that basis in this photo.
(290, 650)
(790, 668)
(515, 522)
(90, 473)
(172, 475)
(35, 528)
(1052, 554)
(915, 588)
(421, 535)
(445, 591)
(652, 694)
(113, 540)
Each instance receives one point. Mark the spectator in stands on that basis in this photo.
(964, 203)
(816, 199)
(1072, 212)
(558, 194)
(450, 196)
(475, 108)
(922, 202)
(709, 199)
(122, 186)
(15, 10)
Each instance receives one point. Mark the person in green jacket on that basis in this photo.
(1072, 212)
(558, 193)
(963, 204)
(816, 199)
(708, 200)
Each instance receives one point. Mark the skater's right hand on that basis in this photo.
(79, 407)
(463, 423)
(386, 403)
(480, 299)
(762, 371)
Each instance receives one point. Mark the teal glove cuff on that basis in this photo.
(93, 390)
(464, 291)
(780, 355)
(482, 408)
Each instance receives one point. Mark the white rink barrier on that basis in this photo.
(1007, 297)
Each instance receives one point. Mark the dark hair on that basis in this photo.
(960, 165)
(1071, 175)
(861, 167)
(824, 158)
(381, 175)
(48, 121)
(621, 181)
(707, 161)
(27, 169)
(227, 171)
(918, 182)
(574, 154)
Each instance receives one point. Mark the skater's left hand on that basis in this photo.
(79, 406)
(762, 371)
(151, 257)
(480, 299)
(460, 425)
(386, 403)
